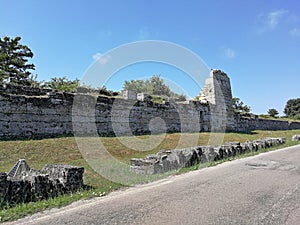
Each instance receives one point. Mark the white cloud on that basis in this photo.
(274, 17)
(100, 58)
(285, 20)
(229, 53)
(270, 21)
(97, 56)
(295, 32)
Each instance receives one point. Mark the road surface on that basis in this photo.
(264, 189)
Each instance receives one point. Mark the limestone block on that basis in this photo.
(296, 137)
(71, 177)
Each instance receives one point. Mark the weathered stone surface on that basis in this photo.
(33, 113)
(248, 123)
(3, 185)
(47, 114)
(71, 177)
(296, 137)
(168, 160)
(34, 185)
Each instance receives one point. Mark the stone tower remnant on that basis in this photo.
(217, 92)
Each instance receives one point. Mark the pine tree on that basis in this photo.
(273, 113)
(14, 66)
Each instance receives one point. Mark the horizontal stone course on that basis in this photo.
(38, 113)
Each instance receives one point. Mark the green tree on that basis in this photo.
(159, 87)
(153, 86)
(238, 106)
(62, 84)
(292, 108)
(14, 66)
(138, 86)
(273, 113)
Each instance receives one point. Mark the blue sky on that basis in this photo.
(256, 42)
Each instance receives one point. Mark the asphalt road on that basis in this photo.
(263, 189)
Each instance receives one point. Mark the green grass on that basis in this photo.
(64, 150)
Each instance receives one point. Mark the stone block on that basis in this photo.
(296, 137)
(71, 177)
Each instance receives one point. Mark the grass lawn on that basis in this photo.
(64, 150)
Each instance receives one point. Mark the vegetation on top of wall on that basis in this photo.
(15, 69)
(61, 84)
(291, 111)
(273, 113)
(292, 108)
(154, 86)
(239, 106)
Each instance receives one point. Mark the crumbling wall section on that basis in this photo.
(168, 160)
(217, 92)
(51, 181)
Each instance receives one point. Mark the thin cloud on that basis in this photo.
(270, 21)
(295, 32)
(97, 56)
(100, 58)
(229, 53)
(274, 17)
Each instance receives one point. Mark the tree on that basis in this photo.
(138, 86)
(273, 112)
(62, 84)
(153, 86)
(292, 108)
(14, 66)
(238, 106)
(159, 87)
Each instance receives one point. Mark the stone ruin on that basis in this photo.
(296, 137)
(28, 112)
(168, 160)
(23, 184)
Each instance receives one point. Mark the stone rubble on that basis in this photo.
(296, 137)
(168, 160)
(51, 181)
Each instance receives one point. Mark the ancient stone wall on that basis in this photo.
(23, 90)
(32, 113)
(49, 114)
(35, 116)
(248, 123)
